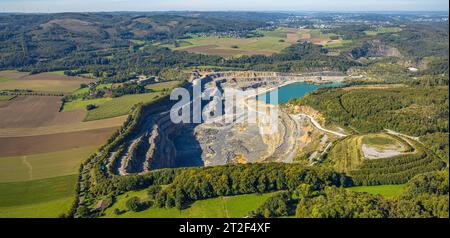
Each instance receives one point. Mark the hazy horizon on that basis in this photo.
(49, 6)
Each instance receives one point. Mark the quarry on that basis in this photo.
(161, 143)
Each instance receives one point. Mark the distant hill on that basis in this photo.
(30, 38)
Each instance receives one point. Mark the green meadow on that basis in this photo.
(59, 72)
(119, 106)
(4, 79)
(271, 42)
(266, 43)
(40, 166)
(6, 97)
(221, 207)
(163, 86)
(111, 107)
(81, 104)
(388, 191)
(38, 198)
(82, 91)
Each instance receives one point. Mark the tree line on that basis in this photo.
(425, 196)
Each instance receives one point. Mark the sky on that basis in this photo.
(220, 5)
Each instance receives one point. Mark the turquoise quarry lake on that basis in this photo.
(294, 90)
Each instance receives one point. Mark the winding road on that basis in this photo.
(318, 126)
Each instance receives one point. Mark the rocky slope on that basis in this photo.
(160, 143)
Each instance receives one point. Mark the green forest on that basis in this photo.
(414, 111)
(303, 192)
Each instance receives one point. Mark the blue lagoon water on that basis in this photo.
(294, 90)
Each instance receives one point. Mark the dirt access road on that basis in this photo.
(318, 126)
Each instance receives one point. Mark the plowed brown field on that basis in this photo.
(35, 111)
(28, 145)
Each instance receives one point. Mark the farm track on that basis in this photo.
(29, 166)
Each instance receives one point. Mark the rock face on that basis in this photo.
(251, 79)
(379, 49)
(162, 152)
(162, 144)
(224, 143)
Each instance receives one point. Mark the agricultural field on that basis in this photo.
(233, 47)
(7, 75)
(315, 36)
(120, 106)
(6, 97)
(221, 207)
(82, 91)
(39, 144)
(271, 42)
(42, 147)
(163, 86)
(4, 79)
(389, 191)
(45, 82)
(113, 107)
(38, 198)
(35, 111)
(81, 104)
(77, 126)
(41, 166)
